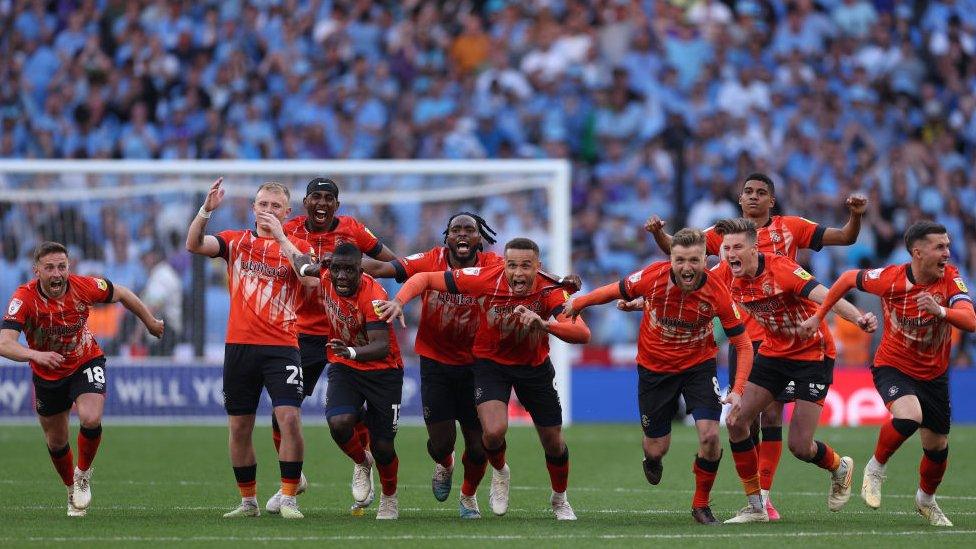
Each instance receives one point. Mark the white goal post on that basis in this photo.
(189, 178)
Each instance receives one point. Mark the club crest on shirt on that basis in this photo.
(80, 307)
(767, 288)
(704, 307)
(939, 298)
(960, 284)
(14, 306)
(775, 237)
(802, 273)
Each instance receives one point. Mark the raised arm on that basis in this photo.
(655, 226)
(379, 269)
(844, 308)
(847, 235)
(570, 330)
(385, 254)
(844, 284)
(599, 296)
(132, 302)
(197, 241)
(415, 285)
(301, 262)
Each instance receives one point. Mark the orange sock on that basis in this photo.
(291, 475)
(388, 475)
(497, 456)
(746, 465)
(932, 468)
(558, 471)
(64, 464)
(474, 471)
(354, 449)
(246, 483)
(362, 433)
(891, 437)
(705, 472)
(826, 457)
(770, 452)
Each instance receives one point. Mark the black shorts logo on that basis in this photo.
(816, 390)
(645, 421)
(893, 390)
(478, 392)
(39, 405)
(790, 388)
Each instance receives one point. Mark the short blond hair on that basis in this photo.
(276, 187)
(688, 237)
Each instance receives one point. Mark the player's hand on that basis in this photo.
(388, 310)
(808, 327)
(630, 306)
(654, 224)
(734, 399)
(571, 283)
(326, 260)
(156, 327)
(570, 310)
(857, 203)
(47, 359)
(214, 196)
(530, 318)
(268, 222)
(339, 348)
(927, 303)
(868, 322)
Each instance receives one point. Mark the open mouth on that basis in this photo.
(688, 277)
(942, 264)
(735, 265)
(319, 216)
(56, 284)
(342, 288)
(520, 286)
(463, 247)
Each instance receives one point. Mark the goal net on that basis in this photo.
(127, 221)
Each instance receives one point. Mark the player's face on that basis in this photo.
(345, 273)
(463, 238)
(521, 267)
(321, 207)
(688, 265)
(756, 199)
(933, 252)
(272, 202)
(52, 272)
(741, 254)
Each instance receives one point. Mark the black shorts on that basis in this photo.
(657, 396)
(785, 396)
(933, 395)
(447, 393)
(248, 368)
(53, 397)
(535, 387)
(807, 380)
(312, 350)
(380, 390)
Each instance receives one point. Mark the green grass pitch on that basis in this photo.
(168, 486)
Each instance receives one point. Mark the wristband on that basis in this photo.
(942, 312)
(204, 213)
(301, 271)
(352, 353)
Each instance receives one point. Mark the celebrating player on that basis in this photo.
(921, 300)
(324, 230)
(366, 369)
(448, 324)
(511, 349)
(69, 367)
(780, 295)
(676, 355)
(779, 235)
(261, 347)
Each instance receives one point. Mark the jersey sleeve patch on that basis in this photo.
(802, 273)
(961, 284)
(14, 307)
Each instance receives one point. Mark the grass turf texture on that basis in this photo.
(169, 485)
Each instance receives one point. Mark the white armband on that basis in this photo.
(204, 213)
(301, 271)
(942, 312)
(352, 353)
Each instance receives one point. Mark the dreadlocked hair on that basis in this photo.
(487, 233)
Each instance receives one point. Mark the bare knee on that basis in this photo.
(289, 418)
(342, 427)
(383, 450)
(709, 445)
(802, 449)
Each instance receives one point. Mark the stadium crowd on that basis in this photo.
(645, 97)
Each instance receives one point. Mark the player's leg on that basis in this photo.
(757, 395)
(383, 390)
(343, 402)
(733, 369)
(86, 388)
(803, 425)
(52, 414)
(536, 391)
(657, 401)
(771, 448)
(437, 398)
(701, 391)
(898, 392)
(242, 391)
(283, 380)
(934, 397)
(493, 388)
(474, 460)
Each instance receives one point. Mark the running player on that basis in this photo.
(324, 230)
(676, 355)
(261, 347)
(779, 235)
(366, 369)
(921, 300)
(448, 324)
(69, 367)
(780, 295)
(511, 350)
